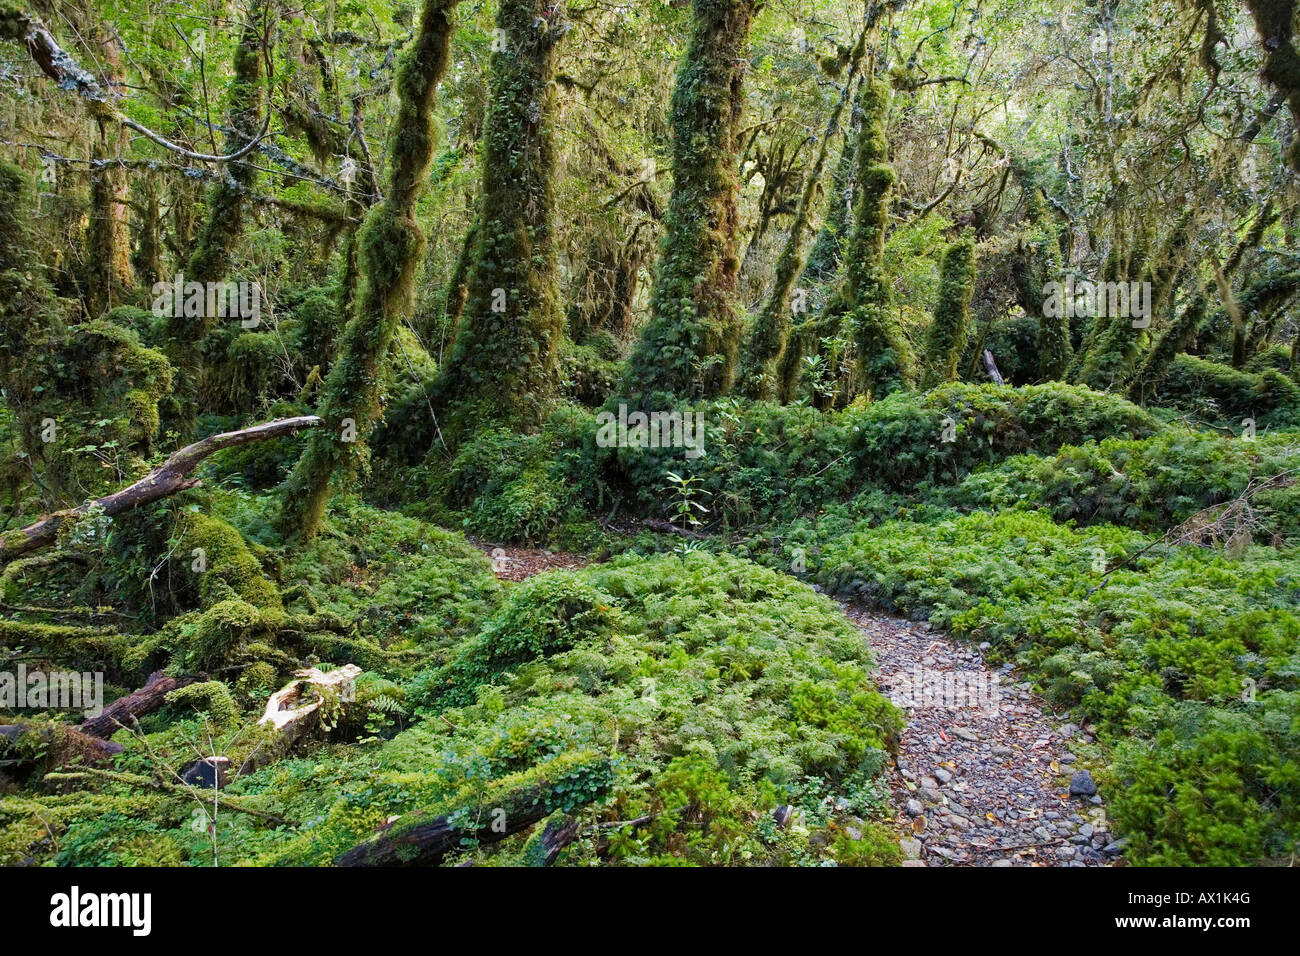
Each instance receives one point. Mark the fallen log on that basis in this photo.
(122, 711)
(167, 479)
(667, 527)
(424, 839)
(556, 835)
(67, 741)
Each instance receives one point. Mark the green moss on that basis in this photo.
(690, 345)
(210, 697)
(946, 338)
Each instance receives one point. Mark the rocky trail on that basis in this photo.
(984, 775)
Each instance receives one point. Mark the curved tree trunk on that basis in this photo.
(391, 243)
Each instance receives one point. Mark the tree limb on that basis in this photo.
(167, 479)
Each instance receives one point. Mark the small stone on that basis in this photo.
(942, 775)
(1081, 785)
(911, 848)
(1116, 848)
(1086, 831)
(998, 863)
(914, 863)
(914, 808)
(965, 734)
(853, 834)
(1095, 800)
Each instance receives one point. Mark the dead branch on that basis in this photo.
(170, 477)
(125, 709)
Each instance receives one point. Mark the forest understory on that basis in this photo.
(649, 433)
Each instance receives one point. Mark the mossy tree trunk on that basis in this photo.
(1042, 264)
(108, 238)
(883, 354)
(391, 243)
(946, 338)
(770, 333)
(212, 255)
(503, 364)
(689, 347)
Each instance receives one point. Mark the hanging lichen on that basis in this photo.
(214, 246)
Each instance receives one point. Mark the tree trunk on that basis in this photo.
(391, 244)
(143, 701)
(690, 345)
(504, 364)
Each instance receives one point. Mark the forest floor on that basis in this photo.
(975, 785)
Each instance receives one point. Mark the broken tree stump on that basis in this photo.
(294, 711)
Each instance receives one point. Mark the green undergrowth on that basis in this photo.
(760, 462)
(1187, 659)
(719, 688)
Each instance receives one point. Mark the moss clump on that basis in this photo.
(210, 697)
(545, 615)
(1225, 394)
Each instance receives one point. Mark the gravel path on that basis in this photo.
(984, 775)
